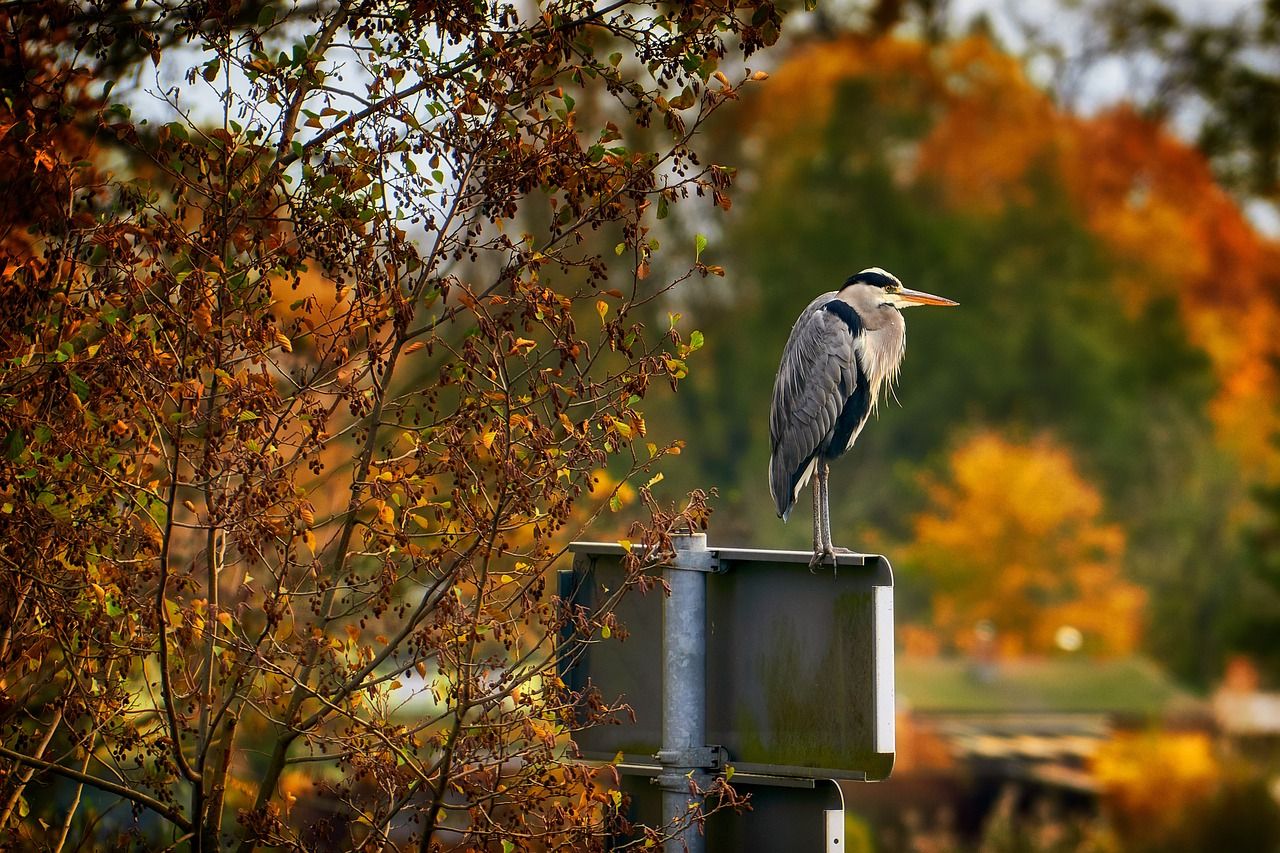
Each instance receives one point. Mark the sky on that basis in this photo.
(1108, 81)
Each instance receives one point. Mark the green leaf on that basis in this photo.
(14, 444)
(699, 244)
(267, 16)
(507, 846)
(615, 504)
(247, 416)
(696, 340)
(78, 385)
(59, 511)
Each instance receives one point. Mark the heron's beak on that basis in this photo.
(919, 297)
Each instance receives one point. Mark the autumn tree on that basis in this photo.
(1015, 536)
(303, 387)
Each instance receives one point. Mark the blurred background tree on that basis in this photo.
(1015, 538)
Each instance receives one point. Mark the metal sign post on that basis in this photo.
(684, 690)
(751, 659)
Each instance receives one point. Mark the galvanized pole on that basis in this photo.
(684, 689)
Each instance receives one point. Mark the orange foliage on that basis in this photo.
(791, 113)
(920, 747)
(919, 641)
(1154, 201)
(1149, 197)
(1016, 536)
(995, 128)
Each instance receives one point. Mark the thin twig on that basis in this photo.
(166, 812)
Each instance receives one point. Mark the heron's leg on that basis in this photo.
(817, 523)
(823, 471)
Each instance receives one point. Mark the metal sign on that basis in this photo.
(799, 665)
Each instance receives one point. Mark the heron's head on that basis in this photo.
(876, 288)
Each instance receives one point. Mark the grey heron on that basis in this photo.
(844, 350)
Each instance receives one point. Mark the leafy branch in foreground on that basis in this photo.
(300, 402)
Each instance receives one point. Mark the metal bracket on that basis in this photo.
(699, 757)
(696, 561)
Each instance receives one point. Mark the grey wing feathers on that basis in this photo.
(817, 375)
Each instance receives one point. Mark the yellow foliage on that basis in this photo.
(1016, 535)
(604, 485)
(1128, 765)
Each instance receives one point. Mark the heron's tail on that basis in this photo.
(782, 487)
(781, 501)
(785, 486)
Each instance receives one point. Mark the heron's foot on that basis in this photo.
(825, 557)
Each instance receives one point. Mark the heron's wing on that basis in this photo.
(817, 375)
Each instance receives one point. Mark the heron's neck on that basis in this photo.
(884, 335)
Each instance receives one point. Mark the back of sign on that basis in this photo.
(799, 664)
